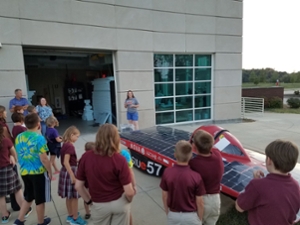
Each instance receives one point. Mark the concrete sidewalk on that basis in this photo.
(147, 208)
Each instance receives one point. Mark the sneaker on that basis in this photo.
(28, 212)
(5, 219)
(47, 221)
(78, 221)
(87, 216)
(69, 218)
(18, 222)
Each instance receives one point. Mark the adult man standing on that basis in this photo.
(18, 100)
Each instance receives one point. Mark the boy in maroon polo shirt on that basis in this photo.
(208, 163)
(274, 199)
(182, 189)
(19, 127)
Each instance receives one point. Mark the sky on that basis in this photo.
(271, 34)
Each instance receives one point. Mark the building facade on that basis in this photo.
(182, 58)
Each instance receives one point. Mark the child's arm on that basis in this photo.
(46, 162)
(6, 134)
(13, 153)
(68, 167)
(133, 181)
(165, 201)
(79, 186)
(200, 207)
(58, 139)
(238, 208)
(129, 192)
(12, 160)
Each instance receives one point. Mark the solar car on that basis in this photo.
(152, 150)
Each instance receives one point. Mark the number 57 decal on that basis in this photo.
(153, 167)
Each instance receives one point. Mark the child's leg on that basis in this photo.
(40, 210)
(130, 220)
(19, 197)
(74, 208)
(24, 209)
(69, 206)
(136, 125)
(3, 208)
(53, 162)
(87, 208)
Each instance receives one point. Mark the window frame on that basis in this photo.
(193, 81)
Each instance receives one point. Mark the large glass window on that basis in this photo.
(182, 85)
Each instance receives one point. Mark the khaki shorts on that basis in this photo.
(212, 204)
(111, 213)
(182, 218)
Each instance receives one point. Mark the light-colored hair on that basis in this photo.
(30, 108)
(89, 146)
(2, 109)
(203, 141)
(51, 120)
(183, 151)
(107, 140)
(72, 130)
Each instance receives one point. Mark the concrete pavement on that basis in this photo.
(147, 208)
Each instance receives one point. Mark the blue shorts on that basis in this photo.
(133, 116)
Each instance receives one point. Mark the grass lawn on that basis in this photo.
(284, 110)
(233, 217)
(295, 86)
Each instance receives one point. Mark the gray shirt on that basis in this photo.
(129, 102)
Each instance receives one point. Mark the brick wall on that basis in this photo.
(263, 92)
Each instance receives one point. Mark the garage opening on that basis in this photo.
(72, 82)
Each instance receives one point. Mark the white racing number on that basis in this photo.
(152, 167)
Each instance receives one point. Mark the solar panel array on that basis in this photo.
(237, 175)
(160, 139)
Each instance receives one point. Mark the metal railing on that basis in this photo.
(252, 105)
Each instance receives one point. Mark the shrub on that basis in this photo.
(275, 102)
(272, 102)
(296, 92)
(294, 103)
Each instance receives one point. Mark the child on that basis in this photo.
(35, 170)
(31, 109)
(19, 109)
(208, 163)
(6, 132)
(10, 182)
(182, 189)
(53, 141)
(66, 188)
(88, 146)
(275, 198)
(19, 127)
